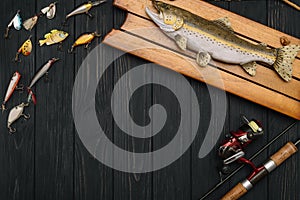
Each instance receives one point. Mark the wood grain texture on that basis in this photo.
(93, 180)
(17, 151)
(46, 159)
(54, 121)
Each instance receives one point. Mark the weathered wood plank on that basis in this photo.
(17, 150)
(92, 179)
(132, 186)
(282, 182)
(54, 122)
(173, 182)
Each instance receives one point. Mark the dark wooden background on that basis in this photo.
(45, 159)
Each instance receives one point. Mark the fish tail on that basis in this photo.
(42, 42)
(284, 61)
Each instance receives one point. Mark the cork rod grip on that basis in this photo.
(284, 153)
(235, 193)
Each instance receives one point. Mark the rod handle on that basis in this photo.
(235, 193)
(284, 153)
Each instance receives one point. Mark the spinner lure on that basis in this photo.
(25, 49)
(16, 22)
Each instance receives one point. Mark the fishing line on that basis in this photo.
(253, 157)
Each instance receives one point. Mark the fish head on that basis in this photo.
(167, 19)
(63, 34)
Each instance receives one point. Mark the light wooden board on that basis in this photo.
(139, 36)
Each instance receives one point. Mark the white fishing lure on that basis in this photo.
(50, 10)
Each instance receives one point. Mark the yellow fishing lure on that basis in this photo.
(84, 39)
(25, 49)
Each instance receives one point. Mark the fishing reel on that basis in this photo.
(232, 148)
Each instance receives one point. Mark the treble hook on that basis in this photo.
(3, 107)
(26, 116)
(11, 130)
(20, 87)
(17, 58)
(6, 34)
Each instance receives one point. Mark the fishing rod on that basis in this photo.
(253, 157)
(259, 173)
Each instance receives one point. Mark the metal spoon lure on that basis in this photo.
(16, 22)
(50, 10)
(31, 22)
(25, 49)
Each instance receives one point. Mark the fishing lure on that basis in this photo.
(55, 36)
(16, 22)
(84, 39)
(14, 114)
(43, 71)
(216, 39)
(85, 8)
(50, 10)
(13, 85)
(25, 49)
(31, 22)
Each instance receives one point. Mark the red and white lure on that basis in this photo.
(13, 85)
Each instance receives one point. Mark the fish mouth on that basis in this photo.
(158, 19)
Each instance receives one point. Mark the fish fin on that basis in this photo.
(54, 31)
(203, 58)
(181, 41)
(284, 61)
(42, 42)
(224, 23)
(47, 35)
(250, 68)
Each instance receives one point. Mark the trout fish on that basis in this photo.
(216, 39)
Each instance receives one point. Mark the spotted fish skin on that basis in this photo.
(216, 39)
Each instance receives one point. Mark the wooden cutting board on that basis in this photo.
(141, 37)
